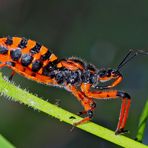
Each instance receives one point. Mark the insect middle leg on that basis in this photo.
(88, 104)
(126, 101)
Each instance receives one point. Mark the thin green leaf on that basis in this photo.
(142, 123)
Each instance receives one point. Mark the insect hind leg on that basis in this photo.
(126, 101)
(9, 63)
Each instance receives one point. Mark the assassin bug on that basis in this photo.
(36, 62)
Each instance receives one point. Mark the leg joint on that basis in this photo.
(123, 95)
(90, 113)
(93, 105)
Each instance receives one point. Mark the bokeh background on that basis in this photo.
(101, 32)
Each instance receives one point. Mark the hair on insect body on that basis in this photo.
(38, 63)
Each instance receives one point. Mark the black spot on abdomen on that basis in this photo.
(35, 49)
(46, 55)
(15, 54)
(36, 65)
(26, 59)
(9, 41)
(3, 50)
(23, 43)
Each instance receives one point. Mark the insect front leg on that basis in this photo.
(88, 104)
(115, 83)
(126, 101)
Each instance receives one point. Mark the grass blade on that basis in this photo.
(142, 123)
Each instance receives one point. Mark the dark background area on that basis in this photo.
(101, 32)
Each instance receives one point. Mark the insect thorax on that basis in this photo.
(65, 76)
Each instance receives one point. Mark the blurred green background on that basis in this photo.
(101, 32)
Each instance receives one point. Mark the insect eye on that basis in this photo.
(115, 73)
(108, 74)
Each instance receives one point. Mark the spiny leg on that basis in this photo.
(112, 94)
(88, 104)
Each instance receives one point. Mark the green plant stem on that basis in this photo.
(16, 94)
(4, 143)
(142, 123)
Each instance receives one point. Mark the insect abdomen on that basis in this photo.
(27, 53)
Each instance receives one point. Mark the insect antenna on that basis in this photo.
(129, 56)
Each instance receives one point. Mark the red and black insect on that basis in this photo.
(36, 62)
